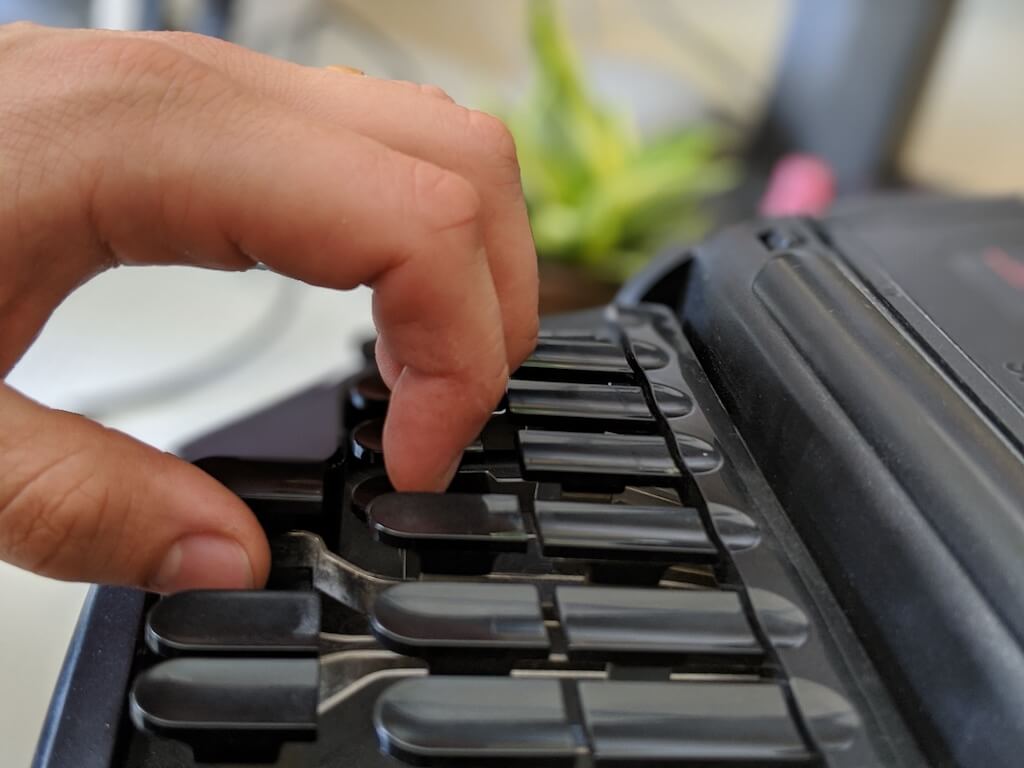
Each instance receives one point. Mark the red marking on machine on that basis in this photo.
(1009, 269)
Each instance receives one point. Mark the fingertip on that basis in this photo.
(91, 504)
(220, 543)
(430, 422)
(204, 561)
(522, 348)
(388, 368)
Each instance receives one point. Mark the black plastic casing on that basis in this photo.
(891, 441)
(891, 436)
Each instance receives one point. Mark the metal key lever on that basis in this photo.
(336, 577)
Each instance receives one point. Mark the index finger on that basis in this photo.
(251, 180)
(419, 122)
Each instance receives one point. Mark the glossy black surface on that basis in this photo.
(235, 622)
(579, 355)
(432, 618)
(698, 455)
(368, 440)
(231, 709)
(591, 402)
(699, 724)
(367, 488)
(491, 521)
(287, 481)
(672, 402)
(785, 625)
(831, 718)
(735, 529)
(575, 453)
(882, 392)
(614, 621)
(588, 356)
(369, 394)
(434, 720)
(650, 357)
(682, 621)
(577, 529)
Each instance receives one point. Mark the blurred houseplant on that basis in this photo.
(601, 200)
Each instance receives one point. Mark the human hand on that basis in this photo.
(162, 148)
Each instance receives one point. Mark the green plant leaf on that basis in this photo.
(597, 196)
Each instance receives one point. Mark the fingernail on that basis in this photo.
(204, 561)
(346, 69)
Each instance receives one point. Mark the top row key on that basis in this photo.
(591, 357)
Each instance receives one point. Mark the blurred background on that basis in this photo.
(640, 123)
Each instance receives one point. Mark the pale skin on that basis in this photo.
(166, 148)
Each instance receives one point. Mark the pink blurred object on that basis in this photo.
(799, 185)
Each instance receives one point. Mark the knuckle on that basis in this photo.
(18, 27)
(528, 335)
(444, 199)
(435, 92)
(496, 384)
(148, 72)
(189, 41)
(490, 384)
(493, 140)
(129, 57)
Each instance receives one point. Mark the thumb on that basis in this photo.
(82, 502)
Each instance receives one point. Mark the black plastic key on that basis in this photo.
(424, 520)
(579, 355)
(628, 458)
(612, 622)
(438, 720)
(448, 623)
(605, 403)
(698, 455)
(588, 356)
(699, 724)
(648, 356)
(279, 487)
(785, 625)
(736, 530)
(236, 622)
(618, 531)
(368, 440)
(369, 395)
(229, 710)
(670, 401)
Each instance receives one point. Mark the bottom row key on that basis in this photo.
(243, 710)
(229, 709)
(436, 720)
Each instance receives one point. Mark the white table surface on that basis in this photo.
(126, 332)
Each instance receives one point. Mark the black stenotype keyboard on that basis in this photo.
(766, 509)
